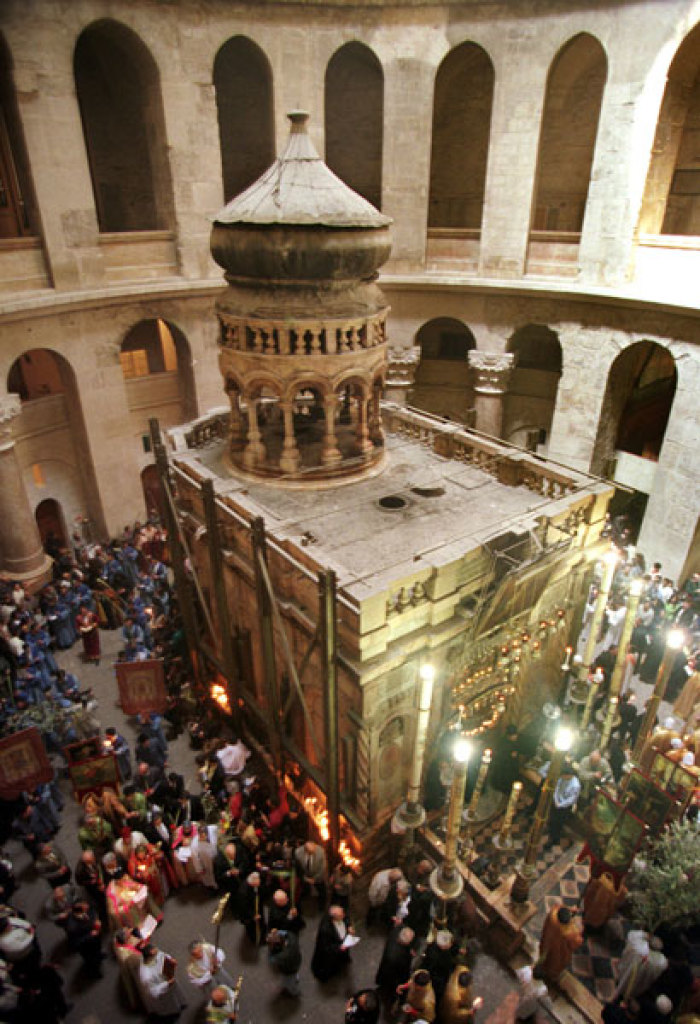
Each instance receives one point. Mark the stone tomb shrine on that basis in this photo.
(444, 544)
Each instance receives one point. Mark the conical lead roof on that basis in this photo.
(299, 189)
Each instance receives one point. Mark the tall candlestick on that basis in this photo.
(510, 812)
(480, 780)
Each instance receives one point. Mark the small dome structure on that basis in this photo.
(299, 221)
(302, 342)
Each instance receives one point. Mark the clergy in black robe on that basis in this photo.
(329, 956)
(251, 910)
(395, 966)
(231, 866)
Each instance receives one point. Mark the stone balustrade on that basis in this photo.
(208, 429)
(509, 465)
(280, 338)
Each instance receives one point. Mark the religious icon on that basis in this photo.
(94, 775)
(646, 800)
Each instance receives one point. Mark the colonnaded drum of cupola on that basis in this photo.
(302, 340)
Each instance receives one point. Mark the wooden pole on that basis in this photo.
(329, 633)
(218, 577)
(267, 636)
(182, 584)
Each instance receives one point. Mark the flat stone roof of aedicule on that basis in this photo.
(371, 547)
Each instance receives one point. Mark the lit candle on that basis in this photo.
(510, 811)
(480, 780)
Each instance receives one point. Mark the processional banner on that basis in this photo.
(142, 686)
(23, 763)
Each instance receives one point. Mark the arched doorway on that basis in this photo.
(157, 368)
(567, 144)
(118, 88)
(672, 196)
(443, 380)
(244, 104)
(636, 407)
(51, 524)
(532, 390)
(354, 119)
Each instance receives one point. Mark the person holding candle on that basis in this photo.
(458, 1006)
(146, 866)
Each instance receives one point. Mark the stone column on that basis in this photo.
(254, 454)
(402, 364)
(376, 430)
(21, 554)
(364, 444)
(237, 437)
(492, 370)
(290, 460)
(330, 454)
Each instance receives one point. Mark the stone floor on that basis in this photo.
(188, 915)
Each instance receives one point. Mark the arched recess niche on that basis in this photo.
(244, 104)
(156, 364)
(118, 88)
(354, 119)
(51, 439)
(573, 101)
(532, 390)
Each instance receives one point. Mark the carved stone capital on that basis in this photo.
(401, 366)
(492, 370)
(10, 408)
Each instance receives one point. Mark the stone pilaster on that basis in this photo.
(21, 554)
(402, 364)
(492, 372)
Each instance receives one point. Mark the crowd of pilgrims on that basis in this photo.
(241, 835)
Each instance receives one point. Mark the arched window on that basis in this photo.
(532, 391)
(460, 145)
(243, 85)
(18, 214)
(567, 140)
(354, 109)
(672, 197)
(443, 380)
(118, 89)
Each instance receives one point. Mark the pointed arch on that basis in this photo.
(118, 88)
(462, 106)
(244, 105)
(354, 119)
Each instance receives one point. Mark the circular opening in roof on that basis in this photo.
(428, 492)
(392, 502)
